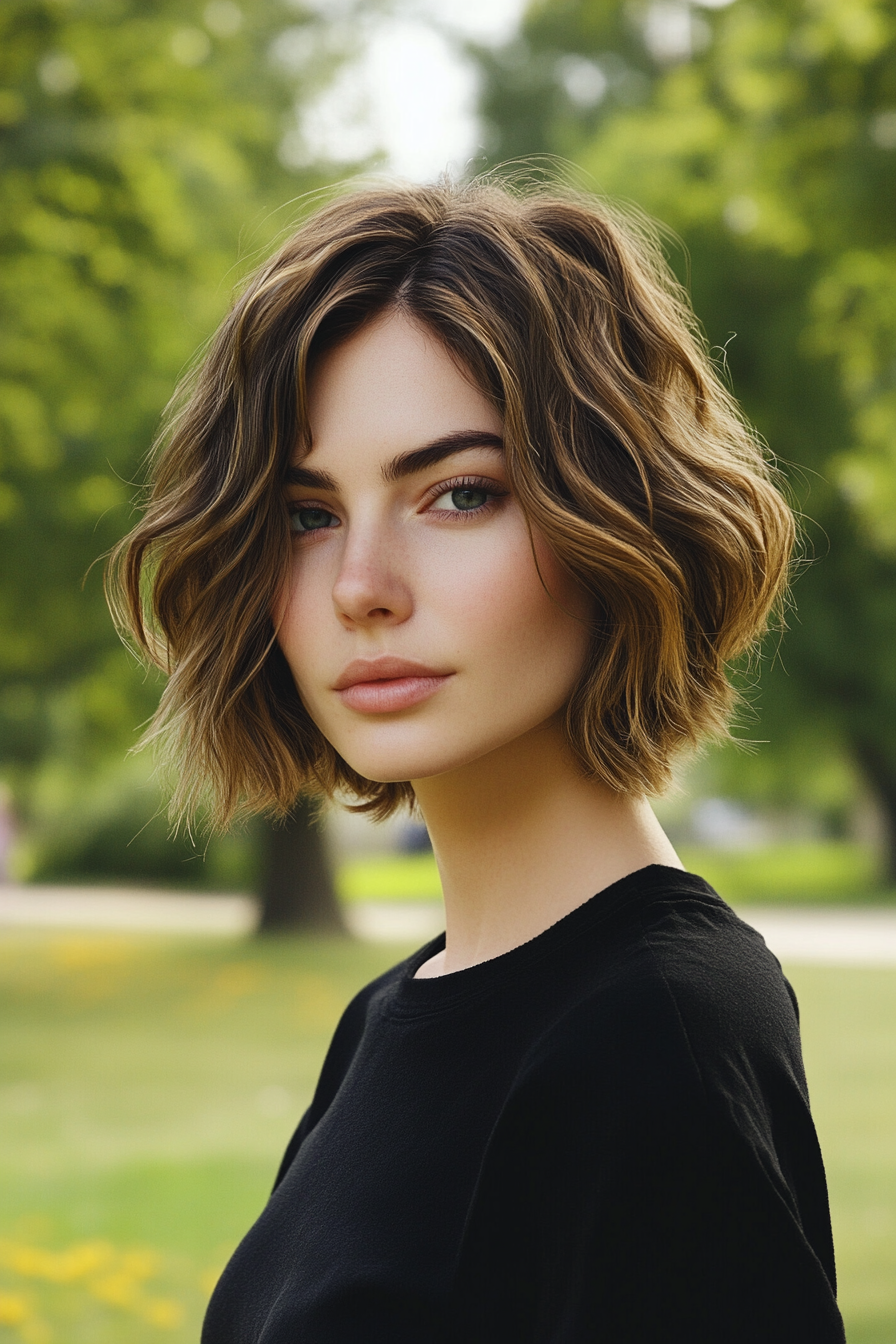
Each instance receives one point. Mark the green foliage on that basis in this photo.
(138, 177)
(764, 133)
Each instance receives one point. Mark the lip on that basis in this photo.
(384, 685)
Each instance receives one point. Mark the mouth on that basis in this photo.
(384, 685)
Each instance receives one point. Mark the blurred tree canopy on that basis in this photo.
(138, 166)
(141, 160)
(764, 133)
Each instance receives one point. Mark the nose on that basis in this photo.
(371, 587)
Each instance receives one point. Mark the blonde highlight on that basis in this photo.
(625, 449)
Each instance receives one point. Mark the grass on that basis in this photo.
(813, 872)
(847, 1018)
(389, 877)
(829, 871)
(149, 1086)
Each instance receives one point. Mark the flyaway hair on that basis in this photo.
(623, 446)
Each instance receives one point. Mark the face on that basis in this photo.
(418, 630)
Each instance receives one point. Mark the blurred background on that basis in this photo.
(153, 151)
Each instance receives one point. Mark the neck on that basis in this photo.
(521, 839)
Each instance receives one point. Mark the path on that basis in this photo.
(844, 936)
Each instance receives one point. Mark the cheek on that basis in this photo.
(284, 614)
(524, 613)
(299, 608)
(280, 607)
(555, 615)
(572, 607)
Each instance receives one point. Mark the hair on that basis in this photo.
(623, 447)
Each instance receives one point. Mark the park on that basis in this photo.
(150, 1079)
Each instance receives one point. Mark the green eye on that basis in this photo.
(310, 520)
(466, 498)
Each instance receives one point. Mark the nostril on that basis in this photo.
(371, 593)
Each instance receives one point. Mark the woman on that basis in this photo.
(456, 514)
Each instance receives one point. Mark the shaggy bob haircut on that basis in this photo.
(622, 445)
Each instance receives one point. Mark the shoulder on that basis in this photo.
(731, 1000)
(684, 1002)
(350, 1030)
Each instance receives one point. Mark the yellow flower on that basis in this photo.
(208, 1279)
(118, 1289)
(14, 1310)
(142, 1264)
(66, 1266)
(163, 1312)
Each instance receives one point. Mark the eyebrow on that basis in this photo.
(406, 464)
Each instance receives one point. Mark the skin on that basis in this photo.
(438, 566)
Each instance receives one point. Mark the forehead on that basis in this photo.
(392, 386)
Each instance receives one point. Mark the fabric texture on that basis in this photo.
(600, 1137)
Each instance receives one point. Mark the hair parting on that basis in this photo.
(625, 449)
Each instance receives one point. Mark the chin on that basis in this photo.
(403, 769)
(424, 756)
(401, 762)
(398, 753)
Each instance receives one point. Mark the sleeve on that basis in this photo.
(340, 1053)
(618, 1204)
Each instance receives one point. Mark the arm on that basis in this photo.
(622, 1204)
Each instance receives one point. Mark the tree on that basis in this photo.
(138, 166)
(764, 133)
(296, 887)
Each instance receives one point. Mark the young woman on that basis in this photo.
(456, 514)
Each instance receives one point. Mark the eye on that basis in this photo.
(465, 496)
(309, 518)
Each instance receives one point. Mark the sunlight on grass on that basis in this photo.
(811, 872)
(119, 1278)
(151, 1084)
(847, 1019)
(149, 1088)
(390, 877)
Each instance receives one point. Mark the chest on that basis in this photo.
(368, 1222)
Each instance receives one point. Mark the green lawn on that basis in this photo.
(148, 1086)
(828, 871)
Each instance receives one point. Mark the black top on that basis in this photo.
(602, 1135)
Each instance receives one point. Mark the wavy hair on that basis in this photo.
(623, 446)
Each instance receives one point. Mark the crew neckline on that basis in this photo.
(433, 994)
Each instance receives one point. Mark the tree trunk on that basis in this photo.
(296, 890)
(880, 771)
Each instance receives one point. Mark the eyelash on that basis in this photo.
(488, 487)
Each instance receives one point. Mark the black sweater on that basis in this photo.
(602, 1135)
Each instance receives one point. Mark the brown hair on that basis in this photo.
(624, 448)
